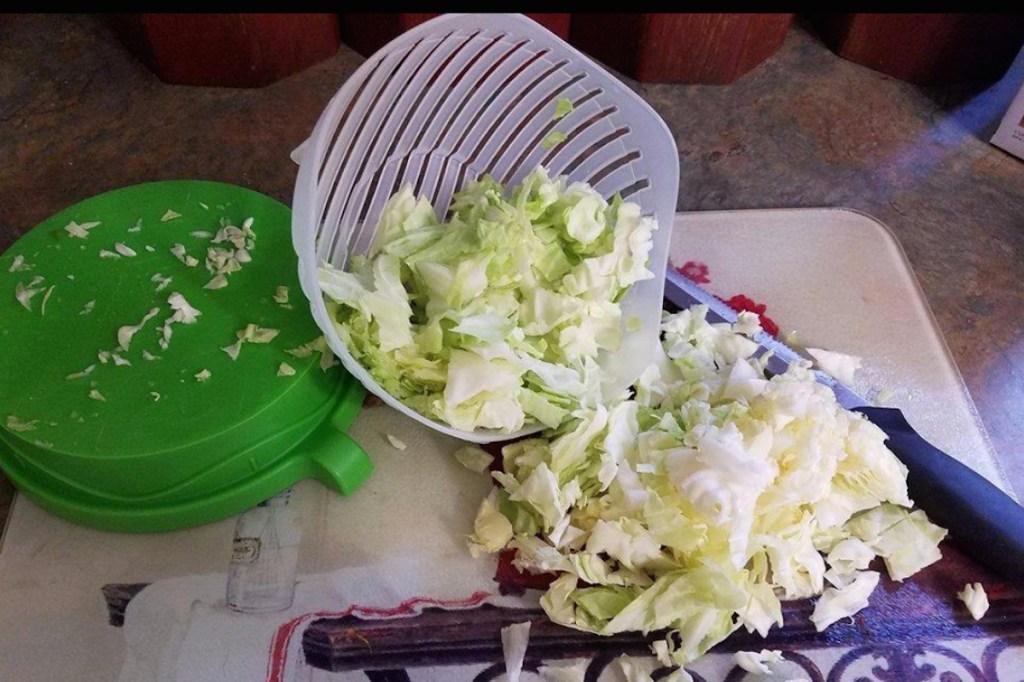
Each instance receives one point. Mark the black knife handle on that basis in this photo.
(983, 520)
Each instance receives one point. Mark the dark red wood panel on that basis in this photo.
(232, 50)
(926, 48)
(681, 48)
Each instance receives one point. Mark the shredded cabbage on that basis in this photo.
(494, 318)
(700, 502)
(474, 458)
(757, 662)
(842, 602)
(839, 365)
(975, 599)
(19, 425)
(514, 640)
(561, 671)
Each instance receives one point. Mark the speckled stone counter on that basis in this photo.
(79, 115)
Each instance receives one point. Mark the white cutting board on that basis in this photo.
(840, 279)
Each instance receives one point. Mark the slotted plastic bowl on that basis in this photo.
(454, 99)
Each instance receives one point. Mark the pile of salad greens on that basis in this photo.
(493, 318)
(699, 501)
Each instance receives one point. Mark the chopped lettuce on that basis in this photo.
(698, 503)
(565, 671)
(514, 640)
(125, 250)
(491, 530)
(46, 297)
(553, 139)
(563, 108)
(217, 282)
(317, 345)
(160, 281)
(839, 365)
(251, 333)
(80, 230)
(183, 312)
(757, 662)
(975, 599)
(907, 540)
(24, 294)
(634, 669)
(78, 375)
(837, 603)
(178, 250)
(256, 334)
(19, 264)
(494, 318)
(18, 425)
(474, 458)
(128, 331)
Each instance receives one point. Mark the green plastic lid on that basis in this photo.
(183, 434)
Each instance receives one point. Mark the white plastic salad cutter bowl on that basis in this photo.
(454, 99)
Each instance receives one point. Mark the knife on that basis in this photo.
(986, 523)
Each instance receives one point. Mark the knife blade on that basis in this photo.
(983, 520)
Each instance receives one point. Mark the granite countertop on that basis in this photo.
(79, 116)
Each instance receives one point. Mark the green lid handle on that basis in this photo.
(338, 461)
